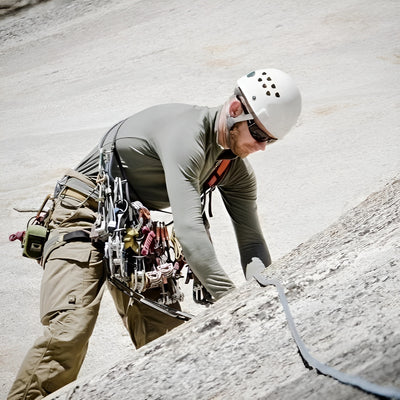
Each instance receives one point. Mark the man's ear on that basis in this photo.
(235, 108)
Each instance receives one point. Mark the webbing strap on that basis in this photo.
(218, 173)
(135, 296)
(310, 362)
(80, 236)
(128, 186)
(75, 174)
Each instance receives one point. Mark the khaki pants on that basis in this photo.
(71, 291)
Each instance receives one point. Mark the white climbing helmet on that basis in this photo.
(273, 98)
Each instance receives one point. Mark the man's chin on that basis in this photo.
(240, 154)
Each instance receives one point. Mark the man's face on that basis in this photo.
(242, 143)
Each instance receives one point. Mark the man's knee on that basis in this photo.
(72, 328)
(56, 356)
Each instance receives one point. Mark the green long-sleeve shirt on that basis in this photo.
(167, 153)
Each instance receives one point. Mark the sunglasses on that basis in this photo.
(258, 134)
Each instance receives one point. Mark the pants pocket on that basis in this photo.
(73, 277)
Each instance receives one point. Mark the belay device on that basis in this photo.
(139, 253)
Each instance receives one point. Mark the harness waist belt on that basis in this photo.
(81, 236)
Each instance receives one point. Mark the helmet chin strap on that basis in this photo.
(230, 121)
(228, 137)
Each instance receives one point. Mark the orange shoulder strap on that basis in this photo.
(217, 174)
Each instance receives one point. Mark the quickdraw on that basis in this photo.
(139, 252)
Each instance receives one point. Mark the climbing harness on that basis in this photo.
(139, 253)
(310, 362)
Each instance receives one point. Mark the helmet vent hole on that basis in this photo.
(273, 86)
(277, 94)
(264, 73)
(268, 79)
(254, 97)
(268, 93)
(264, 86)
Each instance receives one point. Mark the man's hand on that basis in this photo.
(200, 294)
(254, 267)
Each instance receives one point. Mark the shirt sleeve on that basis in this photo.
(182, 165)
(239, 193)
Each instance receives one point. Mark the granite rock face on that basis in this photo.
(342, 286)
(8, 6)
(71, 69)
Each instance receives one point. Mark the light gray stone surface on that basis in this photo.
(342, 286)
(71, 69)
(9, 6)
